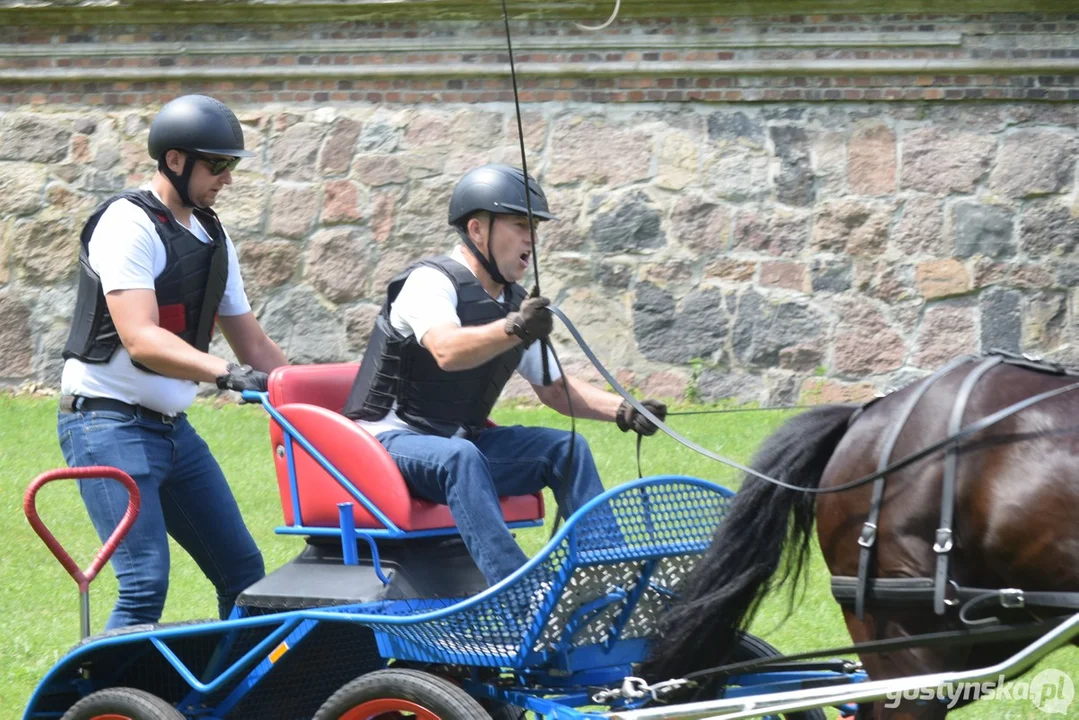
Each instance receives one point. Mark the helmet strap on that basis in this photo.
(180, 182)
(487, 261)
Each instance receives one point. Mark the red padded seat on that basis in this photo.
(310, 397)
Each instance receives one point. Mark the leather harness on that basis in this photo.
(941, 589)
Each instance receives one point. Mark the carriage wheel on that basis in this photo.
(505, 712)
(121, 703)
(751, 647)
(393, 693)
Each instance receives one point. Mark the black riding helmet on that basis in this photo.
(497, 189)
(194, 123)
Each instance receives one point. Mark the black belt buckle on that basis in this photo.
(154, 416)
(160, 417)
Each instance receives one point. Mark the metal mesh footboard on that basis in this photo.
(608, 575)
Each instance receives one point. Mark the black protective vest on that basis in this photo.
(431, 399)
(188, 290)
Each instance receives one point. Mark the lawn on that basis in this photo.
(39, 603)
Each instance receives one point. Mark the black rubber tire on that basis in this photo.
(505, 712)
(123, 701)
(751, 647)
(435, 694)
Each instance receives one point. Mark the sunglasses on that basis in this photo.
(218, 165)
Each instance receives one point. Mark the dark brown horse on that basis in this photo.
(1015, 524)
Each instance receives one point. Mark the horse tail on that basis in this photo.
(720, 596)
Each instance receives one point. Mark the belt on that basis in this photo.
(77, 403)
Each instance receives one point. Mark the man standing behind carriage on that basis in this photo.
(157, 272)
(451, 333)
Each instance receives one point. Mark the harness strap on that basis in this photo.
(944, 540)
(1033, 363)
(868, 538)
(915, 591)
(1013, 599)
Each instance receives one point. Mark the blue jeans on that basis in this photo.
(469, 476)
(183, 493)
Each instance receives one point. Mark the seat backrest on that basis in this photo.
(309, 399)
(324, 385)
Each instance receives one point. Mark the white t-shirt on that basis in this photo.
(428, 299)
(127, 253)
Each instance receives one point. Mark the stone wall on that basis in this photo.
(779, 244)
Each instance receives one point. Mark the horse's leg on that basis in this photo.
(898, 623)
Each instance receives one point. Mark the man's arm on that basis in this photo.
(594, 404)
(124, 251)
(463, 348)
(250, 342)
(589, 402)
(134, 312)
(430, 311)
(458, 348)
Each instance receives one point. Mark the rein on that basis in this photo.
(768, 408)
(1004, 633)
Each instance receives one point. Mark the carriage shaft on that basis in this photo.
(794, 700)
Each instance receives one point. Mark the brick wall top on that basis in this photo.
(894, 56)
(23, 12)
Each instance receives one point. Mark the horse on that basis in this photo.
(1016, 500)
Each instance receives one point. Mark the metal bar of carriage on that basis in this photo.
(560, 638)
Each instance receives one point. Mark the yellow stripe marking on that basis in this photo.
(278, 651)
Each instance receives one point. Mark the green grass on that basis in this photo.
(39, 602)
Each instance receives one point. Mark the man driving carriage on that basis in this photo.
(451, 333)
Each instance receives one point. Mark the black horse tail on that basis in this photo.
(721, 595)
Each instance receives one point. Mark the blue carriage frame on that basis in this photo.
(630, 532)
(551, 681)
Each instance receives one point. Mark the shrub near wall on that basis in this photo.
(764, 207)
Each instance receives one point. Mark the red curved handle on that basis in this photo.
(29, 506)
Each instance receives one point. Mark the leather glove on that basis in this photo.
(242, 377)
(533, 321)
(629, 419)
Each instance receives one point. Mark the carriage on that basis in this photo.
(384, 615)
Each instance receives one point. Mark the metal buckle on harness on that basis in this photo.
(944, 541)
(869, 535)
(635, 688)
(951, 594)
(1012, 598)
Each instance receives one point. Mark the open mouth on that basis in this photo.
(525, 257)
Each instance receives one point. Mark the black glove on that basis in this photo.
(533, 321)
(242, 377)
(629, 419)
